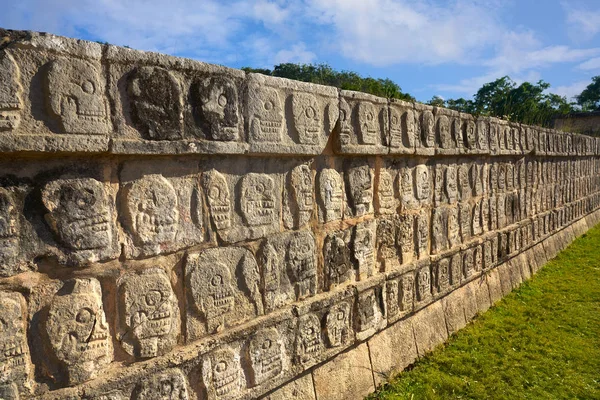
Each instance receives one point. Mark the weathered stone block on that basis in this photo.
(429, 326)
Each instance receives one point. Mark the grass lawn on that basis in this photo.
(542, 341)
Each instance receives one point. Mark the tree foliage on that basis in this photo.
(589, 99)
(527, 103)
(325, 75)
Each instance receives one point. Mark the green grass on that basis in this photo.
(542, 341)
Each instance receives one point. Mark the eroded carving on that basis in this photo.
(257, 199)
(359, 182)
(423, 284)
(423, 185)
(266, 355)
(219, 203)
(309, 344)
(266, 115)
(330, 193)
(77, 329)
(14, 352)
(446, 141)
(368, 123)
(11, 92)
(363, 241)
(299, 199)
(337, 324)
(156, 103)
(428, 127)
(369, 315)
(307, 117)
(385, 193)
(222, 374)
(148, 313)
(218, 107)
(337, 259)
(170, 384)
(9, 231)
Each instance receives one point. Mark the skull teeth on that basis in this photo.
(226, 384)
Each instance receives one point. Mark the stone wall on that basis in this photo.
(586, 123)
(174, 229)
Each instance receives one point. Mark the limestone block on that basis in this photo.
(363, 247)
(52, 96)
(167, 105)
(494, 285)
(388, 254)
(301, 389)
(80, 212)
(426, 142)
(454, 311)
(286, 116)
(429, 326)
(385, 196)
(515, 270)
(16, 372)
(168, 384)
(330, 195)
(441, 275)
(446, 132)
(149, 321)
(223, 288)
(359, 187)
(288, 269)
(309, 343)
(347, 376)
(299, 197)
(77, 329)
(481, 294)
(266, 354)
(338, 260)
(222, 374)
(370, 316)
(364, 124)
(385, 363)
(404, 134)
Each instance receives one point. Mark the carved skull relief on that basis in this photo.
(301, 186)
(217, 97)
(422, 234)
(369, 313)
(79, 213)
(443, 274)
(364, 247)
(368, 123)
(470, 134)
(266, 356)
(385, 192)
(257, 199)
(410, 128)
(395, 128)
(451, 184)
(407, 286)
(428, 126)
(76, 96)
(345, 122)
(423, 284)
(266, 116)
(307, 117)
(213, 292)
(302, 264)
(482, 134)
(156, 103)
(446, 141)
(151, 212)
(219, 203)
(453, 227)
(77, 329)
(9, 230)
(406, 188)
(330, 191)
(360, 185)
(337, 260)
(166, 385)
(222, 374)
(309, 344)
(149, 313)
(423, 185)
(10, 92)
(455, 269)
(392, 299)
(337, 325)
(14, 352)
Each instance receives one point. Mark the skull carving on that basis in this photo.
(369, 313)
(364, 245)
(442, 274)
(270, 277)
(423, 234)
(482, 134)
(219, 203)
(308, 339)
(330, 191)
(218, 108)
(213, 293)
(151, 212)
(453, 227)
(428, 126)
(455, 269)
(438, 235)
(167, 385)
(156, 103)
(301, 185)
(14, 352)
(423, 284)
(406, 188)
(470, 134)
(149, 313)
(451, 184)
(367, 123)
(392, 300)
(337, 325)
(301, 264)
(76, 96)
(77, 329)
(406, 238)
(79, 213)
(257, 199)
(464, 185)
(395, 128)
(266, 355)
(345, 122)
(338, 265)
(409, 127)
(385, 192)
(10, 92)
(222, 374)
(407, 285)
(9, 231)
(446, 141)
(266, 115)
(359, 181)
(422, 182)
(307, 117)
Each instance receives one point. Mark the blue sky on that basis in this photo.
(429, 47)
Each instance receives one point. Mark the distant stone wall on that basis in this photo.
(586, 123)
(174, 229)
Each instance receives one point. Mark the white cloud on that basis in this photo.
(570, 91)
(296, 54)
(590, 65)
(584, 24)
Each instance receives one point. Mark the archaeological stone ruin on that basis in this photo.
(171, 229)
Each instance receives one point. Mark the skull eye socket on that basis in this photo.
(310, 112)
(221, 366)
(84, 316)
(222, 100)
(260, 188)
(267, 343)
(166, 387)
(394, 120)
(269, 105)
(214, 192)
(3, 325)
(217, 280)
(343, 115)
(153, 297)
(341, 316)
(88, 87)
(370, 116)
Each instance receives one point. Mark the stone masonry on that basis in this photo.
(171, 229)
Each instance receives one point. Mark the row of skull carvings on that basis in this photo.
(163, 215)
(227, 106)
(72, 339)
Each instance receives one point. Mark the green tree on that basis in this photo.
(437, 101)
(589, 99)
